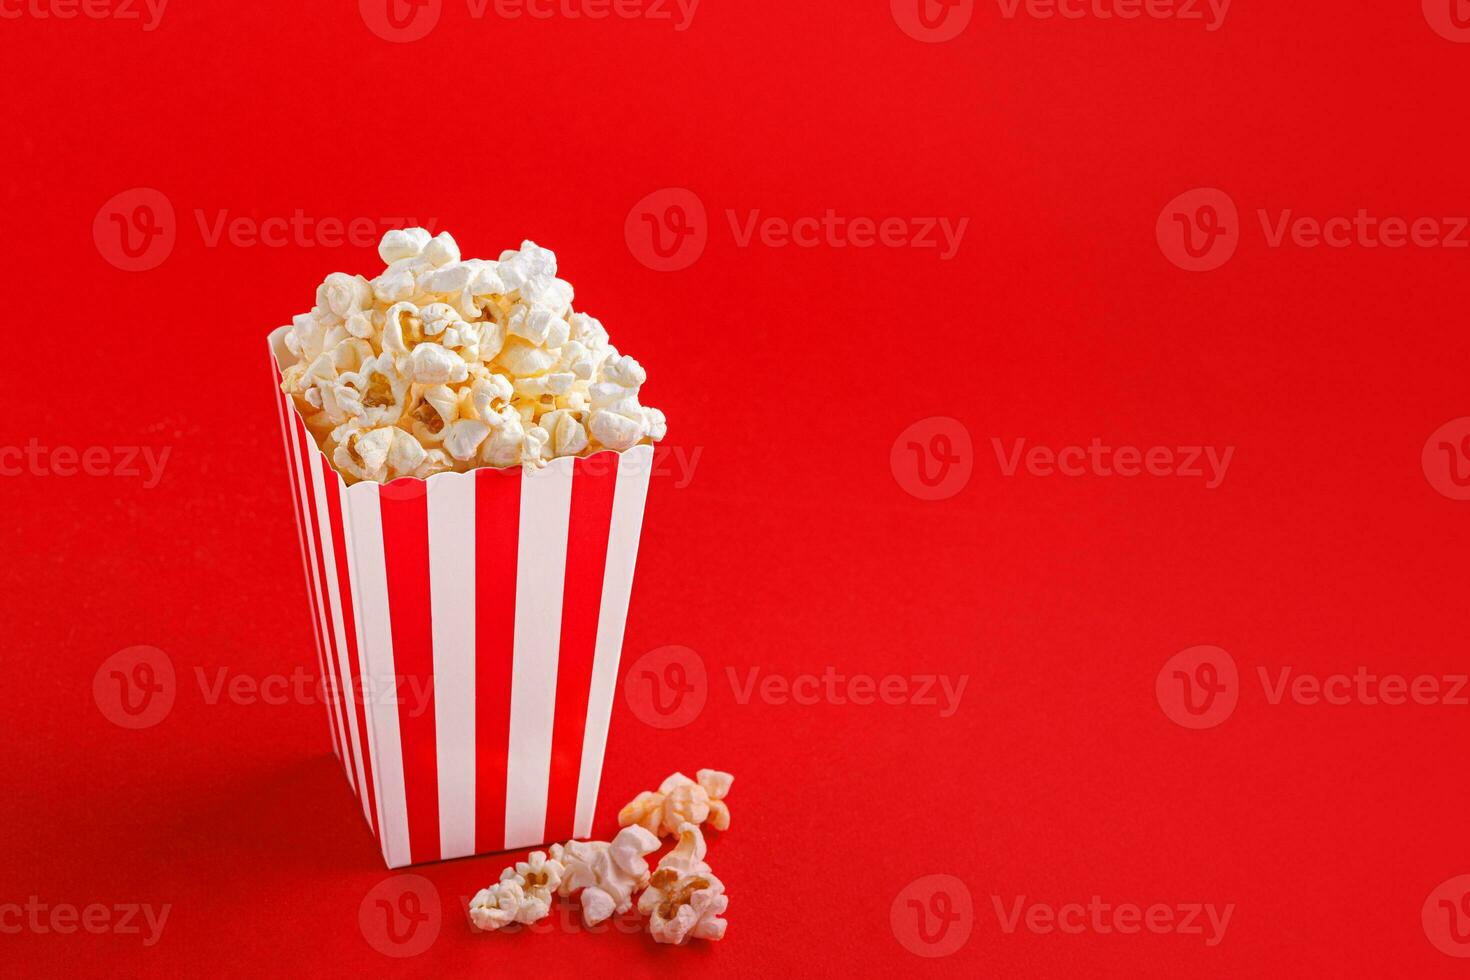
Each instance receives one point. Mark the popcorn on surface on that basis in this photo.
(442, 363)
(684, 900)
(606, 873)
(523, 894)
(680, 800)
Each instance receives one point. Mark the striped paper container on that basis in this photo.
(468, 631)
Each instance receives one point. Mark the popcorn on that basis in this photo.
(432, 364)
(437, 317)
(497, 906)
(538, 875)
(566, 435)
(680, 800)
(462, 438)
(523, 358)
(442, 363)
(688, 907)
(402, 243)
(344, 295)
(523, 893)
(684, 900)
(606, 874)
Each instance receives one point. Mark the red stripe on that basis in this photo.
(405, 509)
(497, 543)
(593, 483)
(308, 446)
(349, 624)
(304, 528)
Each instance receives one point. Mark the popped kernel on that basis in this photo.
(684, 900)
(523, 894)
(681, 800)
(606, 873)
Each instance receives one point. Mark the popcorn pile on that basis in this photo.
(682, 899)
(442, 363)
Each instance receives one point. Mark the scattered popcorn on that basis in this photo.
(684, 900)
(442, 363)
(523, 893)
(496, 906)
(681, 800)
(607, 874)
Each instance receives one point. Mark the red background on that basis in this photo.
(793, 547)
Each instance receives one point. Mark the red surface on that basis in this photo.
(793, 548)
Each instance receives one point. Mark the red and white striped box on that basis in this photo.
(469, 628)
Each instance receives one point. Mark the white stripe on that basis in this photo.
(452, 593)
(546, 504)
(634, 467)
(293, 466)
(377, 667)
(370, 762)
(327, 481)
(314, 587)
(317, 518)
(282, 407)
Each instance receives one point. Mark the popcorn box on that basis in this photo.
(469, 628)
